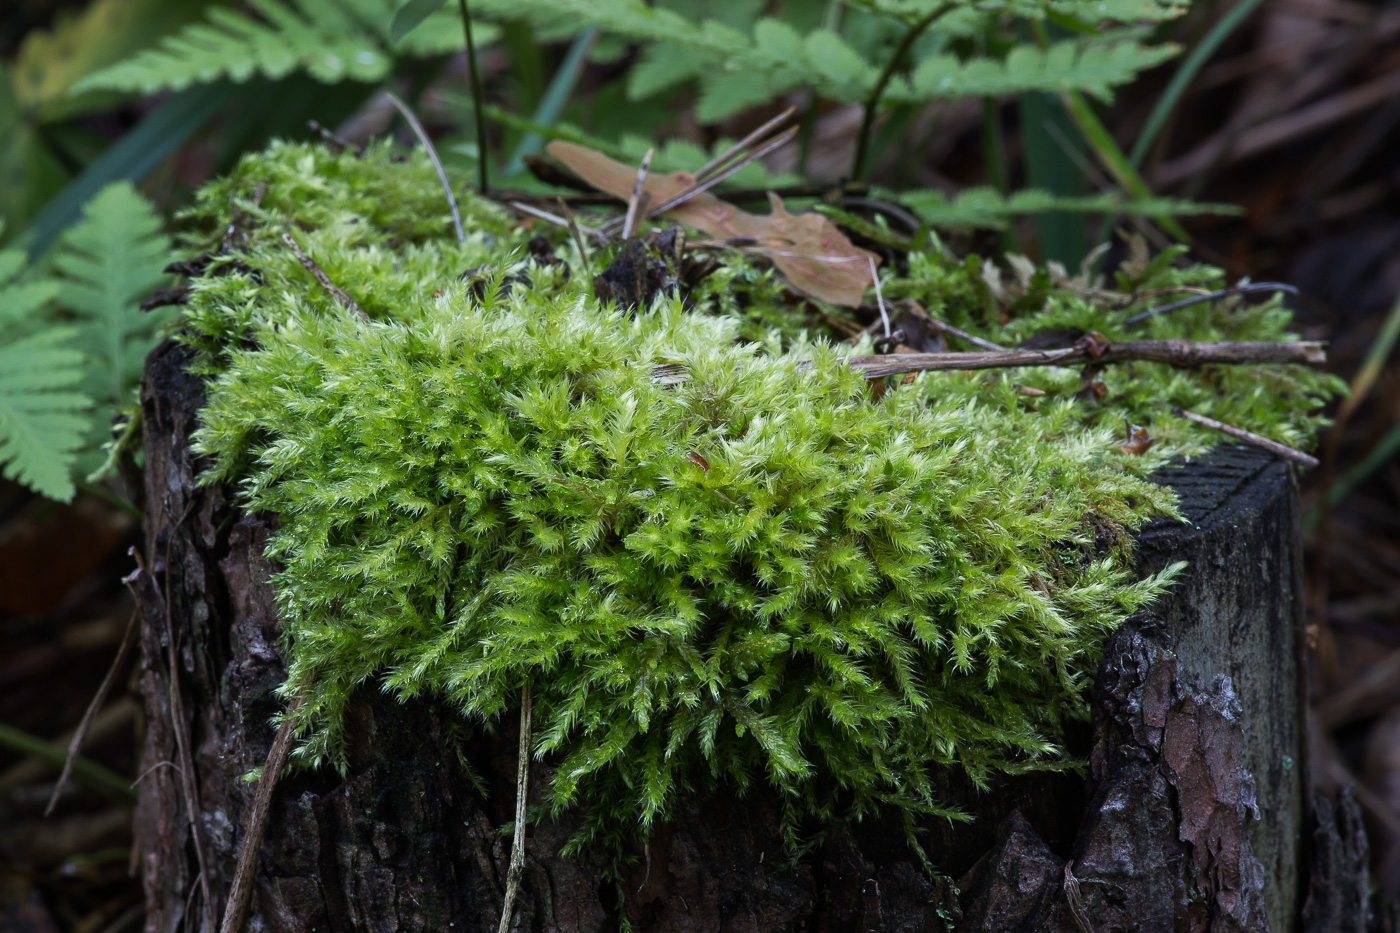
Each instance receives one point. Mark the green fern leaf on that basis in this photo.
(1065, 66)
(331, 40)
(111, 260)
(41, 420)
(987, 208)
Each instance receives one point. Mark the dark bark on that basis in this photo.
(1159, 835)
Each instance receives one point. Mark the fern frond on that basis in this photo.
(331, 40)
(41, 425)
(738, 68)
(988, 208)
(111, 260)
(1065, 66)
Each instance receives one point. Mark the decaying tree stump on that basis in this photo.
(1198, 725)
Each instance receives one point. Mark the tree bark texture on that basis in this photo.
(1197, 727)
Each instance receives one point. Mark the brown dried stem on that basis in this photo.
(1183, 354)
(719, 161)
(76, 745)
(309, 265)
(1273, 447)
(635, 203)
(522, 792)
(242, 891)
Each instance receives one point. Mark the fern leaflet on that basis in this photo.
(41, 409)
(988, 208)
(332, 40)
(111, 260)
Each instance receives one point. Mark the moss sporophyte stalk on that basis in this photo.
(768, 573)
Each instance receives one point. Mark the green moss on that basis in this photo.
(764, 574)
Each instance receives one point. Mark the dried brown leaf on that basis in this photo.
(815, 257)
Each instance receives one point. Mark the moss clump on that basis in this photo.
(763, 574)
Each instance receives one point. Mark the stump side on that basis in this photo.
(404, 841)
(1237, 611)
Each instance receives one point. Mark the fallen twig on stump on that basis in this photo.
(1180, 353)
(1274, 447)
(309, 264)
(242, 891)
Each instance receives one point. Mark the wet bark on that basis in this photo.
(1197, 727)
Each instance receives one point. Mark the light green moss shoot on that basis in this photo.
(764, 574)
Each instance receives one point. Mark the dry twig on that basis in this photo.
(636, 202)
(522, 793)
(1273, 447)
(782, 139)
(309, 265)
(1244, 288)
(1180, 353)
(236, 913)
(75, 746)
(721, 160)
(333, 139)
(577, 237)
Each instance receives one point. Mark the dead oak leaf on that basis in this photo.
(816, 258)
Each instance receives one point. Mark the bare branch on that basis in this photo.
(1242, 289)
(522, 792)
(1183, 354)
(638, 196)
(242, 891)
(1273, 447)
(719, 161)
(76, 745)
(309, 264)
(578, 238)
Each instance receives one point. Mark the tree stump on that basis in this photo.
(1198, 723)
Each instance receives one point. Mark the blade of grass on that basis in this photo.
(561, 88)
(1360, 387)
(1106, 148)
(1379, 456)
(84, 769)
(1180, 81)
(162, 131)
(1050, 166)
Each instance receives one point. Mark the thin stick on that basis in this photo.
(76, 745)
(879, 298)
(1183, 354)
(478, 103)
(635, 202)
(1076, 901)
(334, 139)
(1273, 447)
(964, 336)
(781, 139)
(553, 218)
(239, 895)
(719, 161)
(522, 791)
(611, 226)
(309, 265)
(422, 135)
(1247, 289)
(578, 237)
